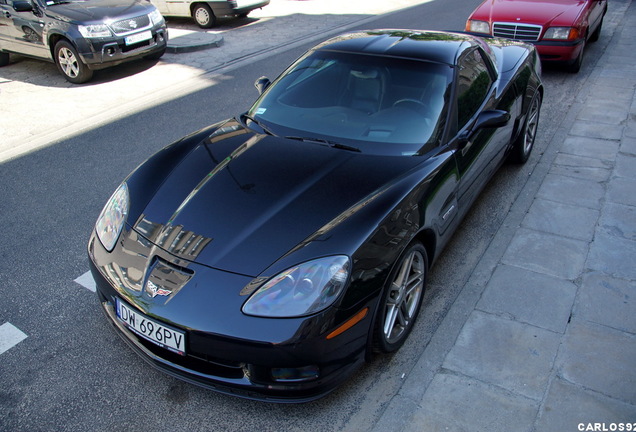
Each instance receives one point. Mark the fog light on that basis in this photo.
(305, 373)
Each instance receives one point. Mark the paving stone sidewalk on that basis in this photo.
(546, 341)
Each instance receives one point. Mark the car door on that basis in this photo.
(177, 7)
(22, 29)
(478, 150)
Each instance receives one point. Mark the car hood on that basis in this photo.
(239, 200)
(554, 12)
(93, 11)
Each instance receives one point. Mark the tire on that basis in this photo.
(575, 65)
(155, 56)
(401, 300)
(4, 58)
(203, 15)
(594, 37)
(522, 147)
(70, 64)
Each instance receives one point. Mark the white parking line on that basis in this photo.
(86, 280)
(10, 336)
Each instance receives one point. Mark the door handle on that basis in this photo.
(7, 14)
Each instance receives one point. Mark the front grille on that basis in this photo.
(201, 364)
(130, 25)
(522, 32)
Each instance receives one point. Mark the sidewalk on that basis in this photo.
(543, 337)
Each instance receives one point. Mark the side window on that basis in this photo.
(474, 81)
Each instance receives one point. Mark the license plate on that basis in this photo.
(138, 37)
(149, 329)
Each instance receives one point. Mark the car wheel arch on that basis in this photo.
(427, 238)
(54, 38)
(382, 344)
(527, 100)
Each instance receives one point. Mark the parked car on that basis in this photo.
(81, 36)
(559, 29)
(267, 256)
(205, 13)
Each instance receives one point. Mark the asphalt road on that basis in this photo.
(72, 372)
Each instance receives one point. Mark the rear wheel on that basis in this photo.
(203, 15)
(70, 64)
(522, 147)
(401, 299)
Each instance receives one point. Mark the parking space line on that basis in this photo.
(10, 336)
(86, 280)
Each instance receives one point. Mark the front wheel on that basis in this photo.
(155, 56)
(401, 299)
(575, 65)
(597, 33)
(203, 15)
(70, 64)
(524, 143)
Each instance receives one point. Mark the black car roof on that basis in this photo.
(440, 47)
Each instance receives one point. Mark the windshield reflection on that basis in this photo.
(365, 101)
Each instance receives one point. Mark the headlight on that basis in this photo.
(155, 17)
(478, 26)
(302, 290)
(112, 218)
(94, 30)
(562, 33)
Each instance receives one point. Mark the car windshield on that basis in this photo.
(380, 105)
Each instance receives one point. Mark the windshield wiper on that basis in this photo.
(325, 141)
(252, 119)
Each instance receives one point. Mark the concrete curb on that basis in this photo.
(187, 41)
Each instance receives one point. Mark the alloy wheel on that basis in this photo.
(531, 125)
(404, 296)
(68, 62)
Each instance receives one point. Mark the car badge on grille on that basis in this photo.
(132, 24)
(153, 290)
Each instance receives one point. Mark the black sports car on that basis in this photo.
(268, 255)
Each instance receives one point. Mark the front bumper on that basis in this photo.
(240, 10)
(277, 360)
(556, 51)
(100, 53)
(232, 9)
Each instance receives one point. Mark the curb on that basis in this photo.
(191, 41)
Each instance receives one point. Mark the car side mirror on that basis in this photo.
(491, 119)
(486, 119)
(22, 6)
(261, 84)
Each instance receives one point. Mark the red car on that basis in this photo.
(558, 28)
